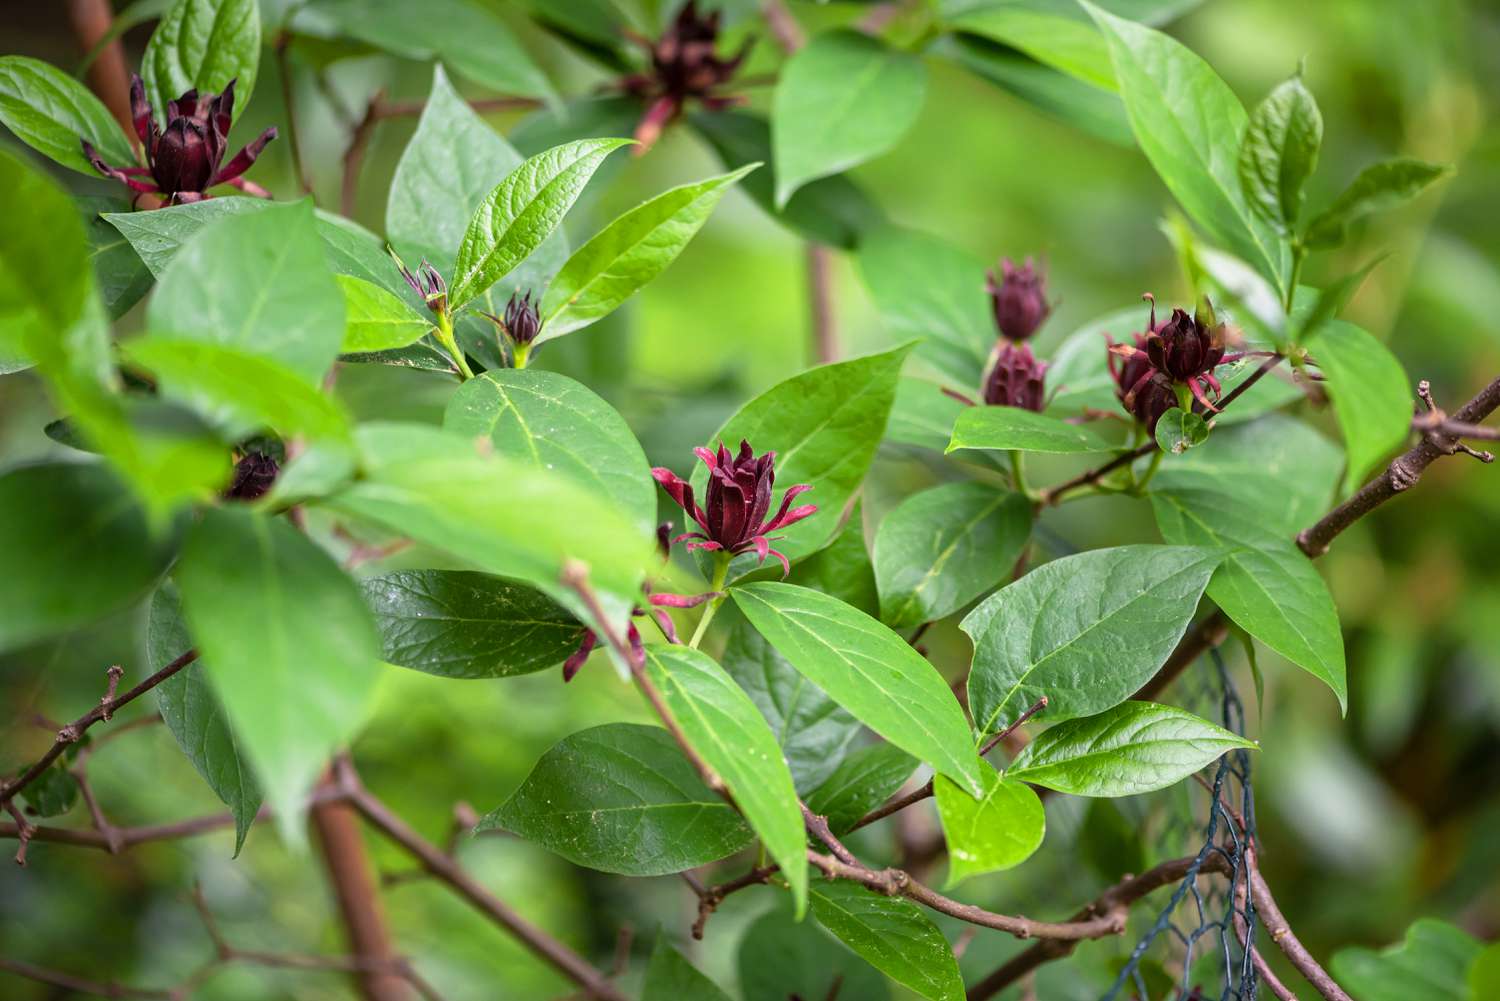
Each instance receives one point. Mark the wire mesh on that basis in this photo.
(1205, 930)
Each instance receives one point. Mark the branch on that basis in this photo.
(820, 296)
(784, 27)
(1286, 940)
(107, 74)
(1402, 474)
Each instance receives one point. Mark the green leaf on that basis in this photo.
(376, 320)
(893, 936)
(1000, 830)
(121, 276)
(843, 98)
(244, 392)
(925, 287)
(52, 793)
(197, 721)
(868, 670)
(1051, 33)
(670, 977)
(1430, 965)
(1133, 748)
(552, 422)
(469, 37)
(781, 958)
(824, 426)
(287, 643)
(1378, 188)
(1189, 123)
(922, 415)
(460, 624)
(1265, 584)
(629, 253)
(1371, 395)
(51, 112)
(74, 547)
(203, 44)
(259, 283)
(158, 235)
(944, 547)
(1280, 152)
(831, 210)
(1179, 430)
(727, 731)
(522, 211)
(843, 569)
(861, 782)
(436, 488)
(1484, 973)
(811, 729)
(621, 798)
(44, 268)
(1011, 428)
(1084, 630)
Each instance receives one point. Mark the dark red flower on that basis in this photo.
(426, 282)
(1015, 378)
(1144, 392)
(684, 66)
(1019, 298)
(1187, 348)
(253, 477)
(739, 497)
(522, 322)
(184, 160)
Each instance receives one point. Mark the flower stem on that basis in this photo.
(1150, 470)
(519, 355)
(445, 337)
(1298, 252)
(721, 572)
(1018, 473)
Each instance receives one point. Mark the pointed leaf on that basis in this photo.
(862, 781)
(893, 936)
(1371, 395)
(203, 44)
(670, 977)
(780, 957)
(1023, 431)
(1000, 830)
(377, 320)
(1280, 152)
(1378, 188)
(51, 112)
(1430, 964)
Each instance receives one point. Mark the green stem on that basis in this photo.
(445, 337)
(1018, 473)
(1150, 470)
(1298, 252)
(519, 355)
(721, 573)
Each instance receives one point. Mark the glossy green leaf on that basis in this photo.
(780, 957)
(1179, 430)
(1265, 584)
(158, 235)
(119, 273)
(831, 210)
(1084, 630)
(724, 727)
(197, 721)
(628, 253)
(862, 781)
(1372, 396)
(1280, 152)
(824, 426)
(868, 670)
(893, 935)
(944, 547)
(52, 793)
(243, 392)
(670, 977)
(1000, 830)
(843, 568)
(470, 38)
(1431, 964)
(925, 287)
(44, 270)
(622, 798)
(843, 98)
(1133, 748)
(51, 112)
(1378, 188)
(259, 283)
(377, 320)
(1012, 428)
(460, 624)
(922, 415)
(203, 44)
(811, 729)
(74, 547)
(288, 645)
(553, 422)
(1189, 123)
(522, 211)
(1052, 33)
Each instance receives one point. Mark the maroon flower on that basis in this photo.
(1144, 392)
(1187, 348)
(1015, 378)
(1019, 298)
(253, 476)
(183, 161)
(684, 66)
(739, 497)
(427, 283)
(521, 322)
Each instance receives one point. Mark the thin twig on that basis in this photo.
(1286, 940)
(820, 294)
(283, 65)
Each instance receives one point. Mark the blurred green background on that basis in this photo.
(1368, 822)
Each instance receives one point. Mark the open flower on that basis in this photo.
(739, 497)
(1144, 392)
(1019, 299)
(1186, 348)
(184, 160)
(426, 282)
(684, 66)
(1015, 378)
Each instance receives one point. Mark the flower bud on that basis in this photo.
(522, 323)
(1019, 298)
(253, 477)
(1015, 378)
(1185, 346)
(426, 282)
(685, 65)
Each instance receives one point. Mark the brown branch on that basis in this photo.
(784, 27)
(820, 296)
(108, 76)
(354, 156)
(710, 897)
(1401, 475)
(1286, 940)
(283, 65)
(81, 985)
